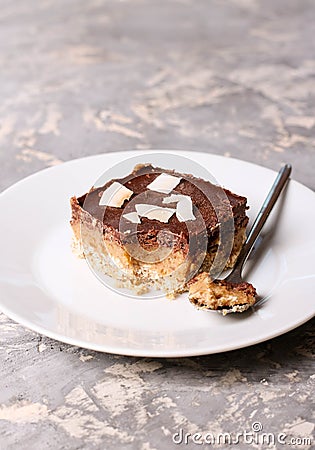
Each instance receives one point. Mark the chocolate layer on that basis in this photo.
(212, 205)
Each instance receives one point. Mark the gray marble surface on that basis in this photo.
(233, 77)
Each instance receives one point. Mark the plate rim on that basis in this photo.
(97, 155)
(121, 350)
(147, 353)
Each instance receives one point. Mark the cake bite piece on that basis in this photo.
(220, 295)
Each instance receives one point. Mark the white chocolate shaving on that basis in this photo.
(175, 198)
(154, 212)
(184, 207)
(184, 211)
(164, 183)
(132, 217)
(115, 195)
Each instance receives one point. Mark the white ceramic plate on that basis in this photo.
(45, 288)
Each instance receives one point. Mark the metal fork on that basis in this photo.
(236, 275)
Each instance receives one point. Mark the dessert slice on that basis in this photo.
(220, 295)
(158, 228)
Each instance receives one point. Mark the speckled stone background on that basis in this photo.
(80, 77)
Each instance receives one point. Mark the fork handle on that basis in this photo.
(262, 216)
